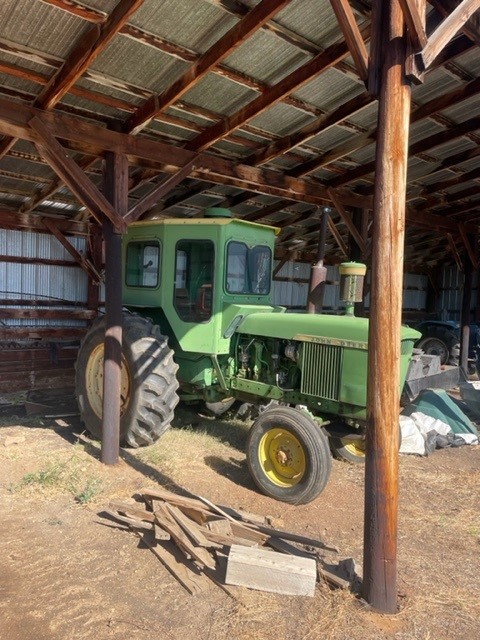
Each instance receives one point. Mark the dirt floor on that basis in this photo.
(67, 573)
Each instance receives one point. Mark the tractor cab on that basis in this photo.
(193, 275)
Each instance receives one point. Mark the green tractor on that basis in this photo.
(200, 325)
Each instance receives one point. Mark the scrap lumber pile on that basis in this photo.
(200, 543)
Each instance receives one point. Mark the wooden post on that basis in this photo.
(94, 254)
(383, 392)
(116, 191)
(465, 317)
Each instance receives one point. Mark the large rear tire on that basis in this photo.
(288, 455)
(148, 381)
(440, 341)
(350, 448)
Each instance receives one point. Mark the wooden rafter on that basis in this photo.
(454, 251)
(352, 35)
(471, 28)
(253, 21)
(468, 126)
(159, 191)
(271, 96)
(468, 246)
(448, 198)
(89, 47)
(338, 238)
(79, 9)
(91, 139)
(23, 222)
(280, 146)
(426, 110)
(447, 30)
(347, 220)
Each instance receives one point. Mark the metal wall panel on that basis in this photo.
(294, 295)
(37, 281)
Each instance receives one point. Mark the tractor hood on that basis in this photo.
(297, 326)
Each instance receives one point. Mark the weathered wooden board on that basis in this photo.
(271, 571)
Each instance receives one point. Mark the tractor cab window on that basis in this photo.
(143, 259)
(194, 280)
(248, 269)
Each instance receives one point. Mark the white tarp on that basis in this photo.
(416, 428)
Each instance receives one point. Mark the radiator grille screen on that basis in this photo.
(321, 370)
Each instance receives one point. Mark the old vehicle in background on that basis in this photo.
(442, 338)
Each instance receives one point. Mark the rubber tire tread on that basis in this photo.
(340, 452)
(316, 449)
(449, 339)
(153, 381)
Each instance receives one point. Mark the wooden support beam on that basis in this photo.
(347, 221)
(423, 219)
(465, 314)
(73, 176)
(51, 188)
(471, 28)
(247, 26)
(352, 35)
(324, 122)
(89, 47)
(415, 23)
(415, 13)
(338, 238)
(5, 145)
(116, 189)
(23, 222)
(78, 9)
(82, 262)
(91, 139)
(271, 96)
(377, 47)
(159, 191)
(447, 30)
(461, 129)
(383, 385)
(471, 253)
(50, 314)
(454, 251)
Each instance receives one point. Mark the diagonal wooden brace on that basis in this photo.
(85, 264)
(159, 191)
(73, 176)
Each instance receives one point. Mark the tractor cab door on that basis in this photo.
(194, 270)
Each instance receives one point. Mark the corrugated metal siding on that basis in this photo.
(294, 294)
(31, 281)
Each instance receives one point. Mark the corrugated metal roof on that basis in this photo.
(164, 38)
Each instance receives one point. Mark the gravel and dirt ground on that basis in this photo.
(65, 573)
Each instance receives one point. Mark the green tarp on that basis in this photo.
(438, 404)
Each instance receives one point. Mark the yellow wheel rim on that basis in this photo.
(94, 382)
(282, 457)
(354, 446)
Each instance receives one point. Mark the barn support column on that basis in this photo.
(465, 317)
(116, 192)
(383, 392)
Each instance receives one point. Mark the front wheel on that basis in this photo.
(288, 455)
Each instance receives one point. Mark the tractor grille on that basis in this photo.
(321, 366)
